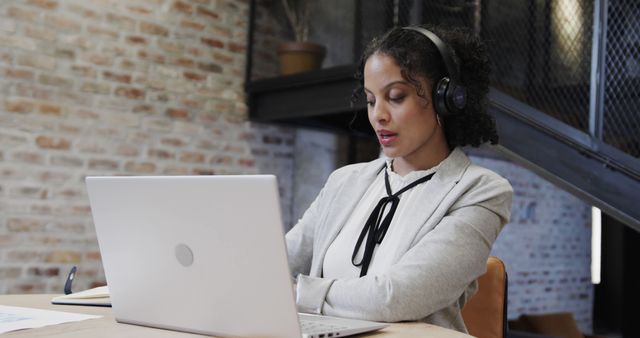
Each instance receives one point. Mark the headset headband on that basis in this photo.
(445, 51)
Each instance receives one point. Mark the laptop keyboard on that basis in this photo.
(318, 325)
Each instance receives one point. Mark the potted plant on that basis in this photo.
(299, 55)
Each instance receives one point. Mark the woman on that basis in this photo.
(404, 237)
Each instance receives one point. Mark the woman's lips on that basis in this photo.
(387, 137)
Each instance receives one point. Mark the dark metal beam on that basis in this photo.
(567, 160)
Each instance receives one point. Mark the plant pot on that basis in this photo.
(297, 57)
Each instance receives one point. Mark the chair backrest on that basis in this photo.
(485, 314)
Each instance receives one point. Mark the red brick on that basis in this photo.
(84, 71)
(40, 33)
(205, 12)
(188, 24)
(194, 76)
(66, 161)
(18, 106)
(97, 88)
(245, 162)
(29, 192)
(176, 171)
(25, 225)
(44, 4)
(153, 29)
(130, 93)
(93, 255)
(70, 193)
(64, 257)
(220, 31)
(57, 81)
(50, 109)
(183, 7)
(233, 149)
(36, 92)
(178, 113)
(222, 58)
(138, 10)
(27, 157)
(93, 30)
(157, 58)
(82, 11)
(236, 48)
(43, 272)
(221, 159)
(54, 177)
(123, 78)
(99, 59)
(212, 42)
(144, 108)
(192, 157)
(195, 52)
(47, 142)
(170, 47)
(185, 62)
(200, 171)
(121, 22)
(175, 142)
(137, 167)
(81, 41)
(160, 153)
(136, 40)
(208, 145)
(103, 164)
(62, 23)
(268, 139)
(37, 61)
(67, 53)
(210, 67)
(22, 14)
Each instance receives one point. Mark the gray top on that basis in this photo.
(437, 262)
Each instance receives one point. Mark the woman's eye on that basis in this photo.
(371, 103)
(396, 99)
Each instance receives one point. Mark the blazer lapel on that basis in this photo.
(346, 200)
(447, 176)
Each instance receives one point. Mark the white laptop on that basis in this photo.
(202, 254)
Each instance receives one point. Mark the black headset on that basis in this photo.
(449, 96)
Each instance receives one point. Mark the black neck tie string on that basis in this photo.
(375, 226)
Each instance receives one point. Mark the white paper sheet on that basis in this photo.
(17, 318)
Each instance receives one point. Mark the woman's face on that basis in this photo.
(404, 122)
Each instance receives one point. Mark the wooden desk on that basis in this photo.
(108, 327)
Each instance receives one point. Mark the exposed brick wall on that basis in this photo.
(546, 247)
(109, 87)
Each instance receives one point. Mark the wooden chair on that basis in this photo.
(485, 314)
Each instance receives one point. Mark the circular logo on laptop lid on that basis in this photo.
(184, 255)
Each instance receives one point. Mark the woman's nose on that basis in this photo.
(380, 113)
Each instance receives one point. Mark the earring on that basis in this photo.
(438, 119)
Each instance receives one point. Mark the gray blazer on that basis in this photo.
(436, 266)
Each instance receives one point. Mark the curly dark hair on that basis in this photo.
(418, 58)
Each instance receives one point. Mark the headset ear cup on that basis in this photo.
(440, 97)
(456, 97)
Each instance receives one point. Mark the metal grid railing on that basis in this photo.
(541, 53)
(621, 124)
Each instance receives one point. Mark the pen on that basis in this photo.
(67, 284)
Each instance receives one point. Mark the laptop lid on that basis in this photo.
(203, 254)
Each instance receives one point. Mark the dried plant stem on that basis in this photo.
(298, 18)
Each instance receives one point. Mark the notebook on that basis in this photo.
(202, 254)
